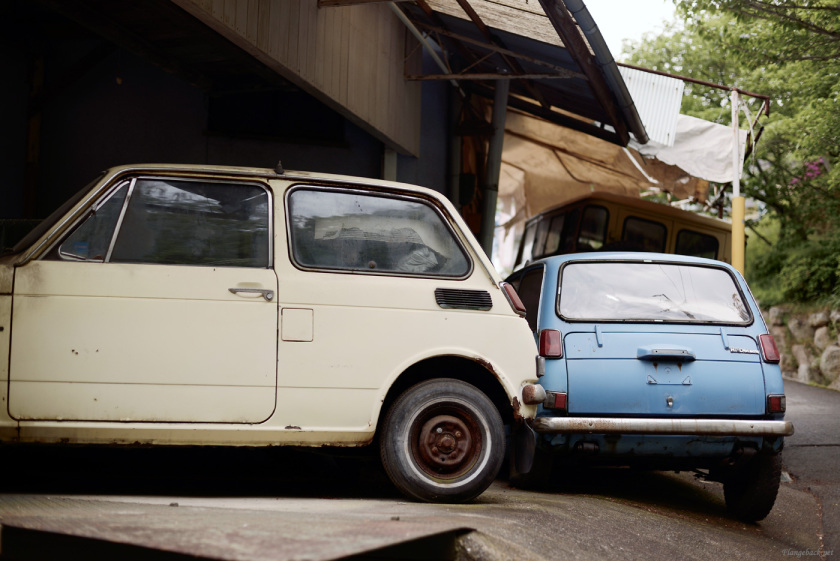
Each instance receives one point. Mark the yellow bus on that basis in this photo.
(609, 222)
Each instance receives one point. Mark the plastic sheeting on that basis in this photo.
(544, 165)
(701, 148)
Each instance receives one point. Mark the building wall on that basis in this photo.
(123, 109)
(12, 128)
(351, 58)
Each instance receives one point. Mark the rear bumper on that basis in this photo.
(700, 427)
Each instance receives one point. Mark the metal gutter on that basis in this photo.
(609, 67)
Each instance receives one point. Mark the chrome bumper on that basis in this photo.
(700, 427)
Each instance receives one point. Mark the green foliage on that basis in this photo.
(789, 51)
(810, 271)
(781, 271)
(763, 262)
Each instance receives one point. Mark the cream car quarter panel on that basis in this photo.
(142, 342)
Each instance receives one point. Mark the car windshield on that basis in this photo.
(650, 292)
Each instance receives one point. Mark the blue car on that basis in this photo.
(654, 360)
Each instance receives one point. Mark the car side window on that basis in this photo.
(175, 222)
(91, 240)
(529, 292)
(364, 232)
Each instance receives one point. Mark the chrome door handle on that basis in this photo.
(267, 294)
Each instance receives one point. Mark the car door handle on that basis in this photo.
(266, 293)
(664, 353)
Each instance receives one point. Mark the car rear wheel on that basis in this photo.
(442, 440)
(751, 491)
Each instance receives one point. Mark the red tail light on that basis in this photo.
(551, 343)
(776, 404)
(513, 299)
(555, 400)
(768, 348)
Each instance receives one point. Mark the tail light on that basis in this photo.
(551, 343)
(554, 400)
(513, 298)
(776, 404)
(768, 348)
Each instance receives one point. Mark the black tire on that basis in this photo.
(442, 441)
(751, 491)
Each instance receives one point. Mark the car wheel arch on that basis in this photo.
(468, 370)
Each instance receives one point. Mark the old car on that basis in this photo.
(660, 361)
(204, 305)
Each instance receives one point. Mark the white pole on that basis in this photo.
(739, 237)
(736, 151)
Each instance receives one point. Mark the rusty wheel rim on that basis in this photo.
(446, 442)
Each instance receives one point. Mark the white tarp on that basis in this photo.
(701, 148)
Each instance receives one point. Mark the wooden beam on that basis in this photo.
(572, 38)
(487, 76)
(552, 116)
(338, 3)
(514, 65)
(499, 49)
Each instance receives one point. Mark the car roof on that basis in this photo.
(557, 260)
(266, 173)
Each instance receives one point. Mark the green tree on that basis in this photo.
(789, 51)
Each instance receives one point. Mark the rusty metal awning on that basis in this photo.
(568, 77)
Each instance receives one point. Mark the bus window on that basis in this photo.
(526, 249)
(555, 234)
(539, 240)
(696, 244)
(593, 228)
(644, 235)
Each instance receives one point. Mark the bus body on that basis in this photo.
(609, 222)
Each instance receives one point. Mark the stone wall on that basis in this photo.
(809, 344)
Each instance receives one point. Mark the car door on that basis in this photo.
(159, 306)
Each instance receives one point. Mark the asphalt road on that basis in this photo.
(296, 505)
(812, 455)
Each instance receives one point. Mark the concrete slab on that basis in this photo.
(676, 518)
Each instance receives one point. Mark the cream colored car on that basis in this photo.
(184, 305)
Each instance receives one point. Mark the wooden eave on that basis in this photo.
(548, 80)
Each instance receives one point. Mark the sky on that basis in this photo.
(628, 19)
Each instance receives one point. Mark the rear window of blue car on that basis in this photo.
(650, 292)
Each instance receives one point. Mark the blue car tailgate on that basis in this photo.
(655, 373)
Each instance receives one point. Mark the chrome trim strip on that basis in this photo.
(132, 182)
(704, 427)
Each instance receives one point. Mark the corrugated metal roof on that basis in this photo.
(657, 99)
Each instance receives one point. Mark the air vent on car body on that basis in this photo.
(463, 299)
